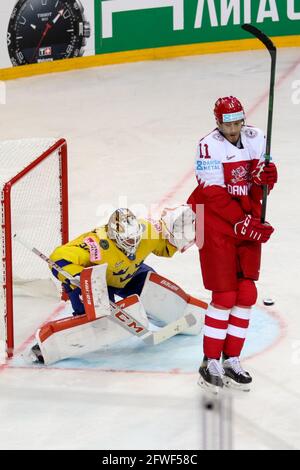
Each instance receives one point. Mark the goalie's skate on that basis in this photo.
(235, 377)
(211, 373)
(36, 355)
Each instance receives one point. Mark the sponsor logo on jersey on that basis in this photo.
(208, 165)
(231, 157)
(104, 244)
(95, 253)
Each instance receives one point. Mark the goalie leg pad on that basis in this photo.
(165, 301)
(94, 291)
(74, 336)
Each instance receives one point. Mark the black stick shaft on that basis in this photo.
(273, 52)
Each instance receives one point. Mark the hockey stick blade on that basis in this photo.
(170, 330)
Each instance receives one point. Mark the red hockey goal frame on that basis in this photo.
(58, 149)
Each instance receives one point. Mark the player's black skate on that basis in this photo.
(211, 373)
(235, 376)
(36, 354)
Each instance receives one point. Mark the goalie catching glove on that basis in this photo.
(178, 225)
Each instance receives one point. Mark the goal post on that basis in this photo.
(34, 204)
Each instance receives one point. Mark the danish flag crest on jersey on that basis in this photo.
(240, 174)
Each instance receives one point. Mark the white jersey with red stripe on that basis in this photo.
(218, 162)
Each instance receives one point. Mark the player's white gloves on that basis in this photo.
(178, 225)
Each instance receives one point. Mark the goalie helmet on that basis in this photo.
(124, 228)
(228, 109)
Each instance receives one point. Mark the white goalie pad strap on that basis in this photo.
(164, 302)
(179, 226)
(74, 336)
(94, 291)
(197, 308)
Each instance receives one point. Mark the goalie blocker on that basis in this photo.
(162, 302)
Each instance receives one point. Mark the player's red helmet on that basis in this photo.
(228, 109)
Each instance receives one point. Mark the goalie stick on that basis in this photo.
(125, 320)
(273, 52)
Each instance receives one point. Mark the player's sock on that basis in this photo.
(215, 330)
(237, 329)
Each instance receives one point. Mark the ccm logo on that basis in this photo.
(132, 325)
(245, 225)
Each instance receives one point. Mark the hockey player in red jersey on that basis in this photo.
(230, 171)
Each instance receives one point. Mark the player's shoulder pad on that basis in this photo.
(252, 132)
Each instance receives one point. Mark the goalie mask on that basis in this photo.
(124, 228)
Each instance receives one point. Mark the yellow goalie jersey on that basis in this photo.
(95, 247)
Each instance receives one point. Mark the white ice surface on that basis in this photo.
(132, 131)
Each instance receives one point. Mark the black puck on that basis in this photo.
(268, 302)
(209, 405)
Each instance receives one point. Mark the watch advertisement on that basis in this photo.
(35, 31)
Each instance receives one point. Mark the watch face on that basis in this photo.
(45, 30)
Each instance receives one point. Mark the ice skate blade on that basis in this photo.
(232, 385)
(30, 359)
(209, 388)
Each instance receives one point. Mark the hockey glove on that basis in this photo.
(265, 174)
(252, 229)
